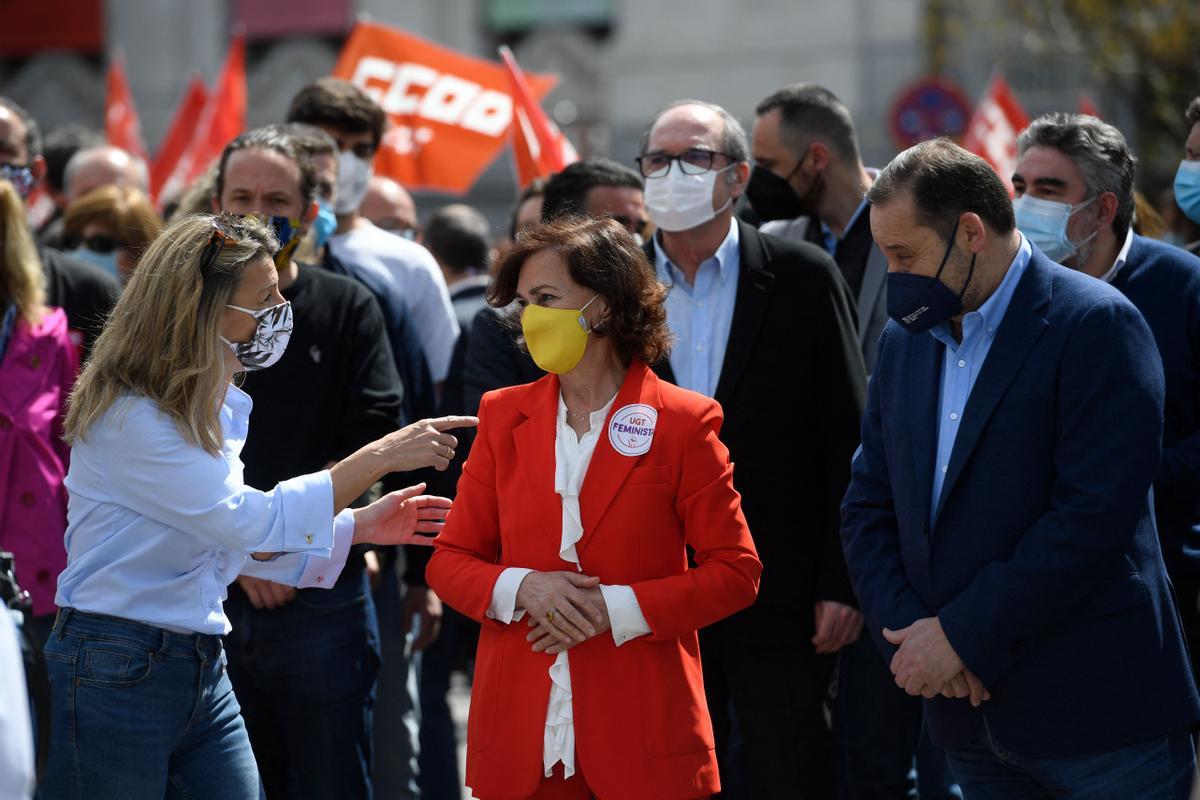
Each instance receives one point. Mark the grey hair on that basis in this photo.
(81, 157)
(734, 141)
(1098, 149)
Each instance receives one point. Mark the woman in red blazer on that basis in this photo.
(574, 515)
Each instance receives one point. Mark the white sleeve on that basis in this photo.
(624, 613)
(503, 607)
(16, 732)
(433, 315)
(150, 469)
(306, 570)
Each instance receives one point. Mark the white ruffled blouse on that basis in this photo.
(572, 455)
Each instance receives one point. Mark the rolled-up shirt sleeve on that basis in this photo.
(503, 607)
(158, 474)
(309, 570)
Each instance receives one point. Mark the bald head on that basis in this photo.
(103, 166)
(694, 123)
(389, 206)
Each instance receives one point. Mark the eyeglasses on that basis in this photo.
(693, 161)
(224, 232)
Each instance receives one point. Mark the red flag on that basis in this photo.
(539, 147)
(223, 118)
(450, 113)
(179, 135)
(121, 125)
(1087, 106)
(993, 128)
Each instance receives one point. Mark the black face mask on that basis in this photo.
(774, 198)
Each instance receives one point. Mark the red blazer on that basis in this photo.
(641, 723)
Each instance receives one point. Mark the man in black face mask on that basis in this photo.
(998, 526)
(809, 183)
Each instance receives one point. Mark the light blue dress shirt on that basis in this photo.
(963, 361)
(157, 528)
(701, 314)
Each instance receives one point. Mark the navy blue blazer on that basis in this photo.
(1043, 565)
(1164, 283)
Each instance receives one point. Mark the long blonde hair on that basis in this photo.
(22, 281)
(161, 340)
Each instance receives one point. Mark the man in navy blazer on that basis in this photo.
(1084, 163)
(998, 526)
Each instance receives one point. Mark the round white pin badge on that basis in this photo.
(632, 429)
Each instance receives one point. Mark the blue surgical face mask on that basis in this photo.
(918, 302)
(1187, 189)
(324, 225)
(1044, 223)
(105, 261)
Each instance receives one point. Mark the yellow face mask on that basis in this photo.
(556, 337)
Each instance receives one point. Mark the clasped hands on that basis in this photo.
(563, 609)
(925, 664)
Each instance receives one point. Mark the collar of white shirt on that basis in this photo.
(1111, 275)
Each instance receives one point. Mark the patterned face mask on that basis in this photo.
(270, 338)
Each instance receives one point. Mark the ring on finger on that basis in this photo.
(550, 615)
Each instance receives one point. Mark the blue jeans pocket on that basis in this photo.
(113, 663)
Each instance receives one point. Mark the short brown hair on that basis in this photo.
(337, 103)
(604, 257)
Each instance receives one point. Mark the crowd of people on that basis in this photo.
(793, 477)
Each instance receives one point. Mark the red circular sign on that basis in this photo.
(926, 109)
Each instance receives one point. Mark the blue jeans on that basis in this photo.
(140, 713)
(878, 731)
(398, 718)
(305, 675)
(1156, 769)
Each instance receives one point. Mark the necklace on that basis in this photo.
(583, 417)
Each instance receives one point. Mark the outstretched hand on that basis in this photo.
(400, 517)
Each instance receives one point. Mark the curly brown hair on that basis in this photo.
(602, 256)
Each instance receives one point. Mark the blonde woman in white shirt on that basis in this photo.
(160, 521)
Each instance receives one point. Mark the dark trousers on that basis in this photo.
(878, 730)
(767, 707)
(1187, 595)
(305, 677)
(1160, 768)
(439, 778)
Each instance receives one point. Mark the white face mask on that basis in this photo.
(270, 338)
(353, 176)
(679, 202)
(1044, 223)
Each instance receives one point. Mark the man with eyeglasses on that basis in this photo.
(752, 313)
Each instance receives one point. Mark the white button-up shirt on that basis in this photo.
(157, 528)
(572, 455)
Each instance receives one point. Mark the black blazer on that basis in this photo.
(793, 387)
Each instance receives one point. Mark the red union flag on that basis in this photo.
(121, 125)
(450, 113)
(179, 135)
(539, 147)
(992, 132)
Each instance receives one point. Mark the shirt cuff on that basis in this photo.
(503, 607)
(307, 511)
(624, 613)
(322, 573)
(308, 570)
